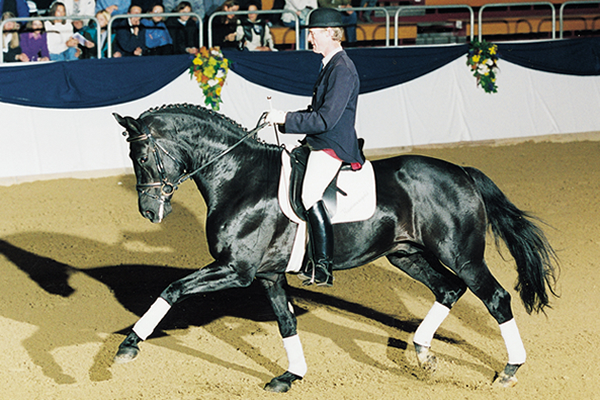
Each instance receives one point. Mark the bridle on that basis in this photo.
(167, 188)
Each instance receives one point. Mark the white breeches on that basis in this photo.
(320, 171)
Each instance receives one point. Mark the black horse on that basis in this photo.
(431, 221)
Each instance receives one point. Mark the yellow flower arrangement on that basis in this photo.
(482, 59)
(210, 68)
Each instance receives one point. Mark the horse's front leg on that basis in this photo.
(211, 278)
(286, 320)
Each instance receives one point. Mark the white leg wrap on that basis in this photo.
(295, 355)
(145, 326)
(514, 344)
(431, 323)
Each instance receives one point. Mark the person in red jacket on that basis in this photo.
(329, 127)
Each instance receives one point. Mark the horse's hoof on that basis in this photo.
(282, 383)
(507, 378)
(128, 349)
(427, 361)
(126, 354)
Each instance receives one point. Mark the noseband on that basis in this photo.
(167, 188)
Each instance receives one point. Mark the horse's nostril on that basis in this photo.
(149, 214)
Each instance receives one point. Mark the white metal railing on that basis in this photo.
(566, 4)
(150, 15)
(495, 5)
(220, 13)
(71, 17)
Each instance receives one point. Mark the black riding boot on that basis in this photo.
(321, 239)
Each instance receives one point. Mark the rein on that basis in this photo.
(167, 188)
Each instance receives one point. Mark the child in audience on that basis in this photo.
(184, 30)
(34, 43)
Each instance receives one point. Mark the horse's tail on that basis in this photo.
(535, 258)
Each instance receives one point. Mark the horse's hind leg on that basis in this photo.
(446, 287)
(497, 300)
(286, 320)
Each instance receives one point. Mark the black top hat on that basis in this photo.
(325, 18)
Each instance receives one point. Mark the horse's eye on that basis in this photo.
(143, 160)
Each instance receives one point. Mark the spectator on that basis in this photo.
(225, 26)
(349, 18)
(114, 7)
(59, 33)
(16, 7)
(183, 30)
(79, 7)
(254, 33)
(130, 39)
(11, 47)
(90, 33)
(301, 8)
(34, 43)
(158, 40)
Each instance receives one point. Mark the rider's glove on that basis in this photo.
(276, 117)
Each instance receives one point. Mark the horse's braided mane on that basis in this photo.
(198, 111)
(203, 113)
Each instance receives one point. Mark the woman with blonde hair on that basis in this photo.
(11, 46)
(90, 33)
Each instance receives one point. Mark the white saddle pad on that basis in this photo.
(358, 204)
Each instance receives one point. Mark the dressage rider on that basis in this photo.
(329, 127)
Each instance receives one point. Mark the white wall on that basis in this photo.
(443, 106)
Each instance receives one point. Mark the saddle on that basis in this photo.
(299, 159)
(350, 197)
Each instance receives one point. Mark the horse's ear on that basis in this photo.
(132, 125)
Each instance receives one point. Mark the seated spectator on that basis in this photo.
(301, 8)
(130, 39)
(254, 33)
(90, 33)
(184, 30)
(34, 43)
(349, 18)
(225, 26)
(18, 8)
(59, 33)
(158, 40)
(79, 7)
(113, 7)
(11, 46)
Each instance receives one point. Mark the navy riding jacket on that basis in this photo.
(329, 121)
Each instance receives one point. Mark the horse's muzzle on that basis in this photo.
(155, 211)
